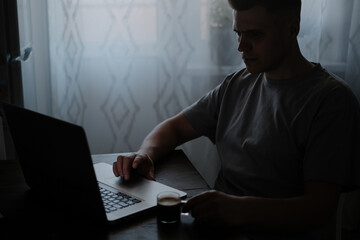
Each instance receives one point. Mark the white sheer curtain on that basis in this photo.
(330, 34)
(119, 67)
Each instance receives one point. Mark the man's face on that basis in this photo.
(263, 44)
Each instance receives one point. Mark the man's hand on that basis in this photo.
(215, 208)
(316, 208)
(141, 163)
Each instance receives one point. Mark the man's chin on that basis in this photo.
(253, 70)
(253, 66)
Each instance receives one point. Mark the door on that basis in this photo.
(11, 90)
(10, 59)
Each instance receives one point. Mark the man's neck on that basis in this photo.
(294, 65)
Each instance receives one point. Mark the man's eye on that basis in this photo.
(255, 34)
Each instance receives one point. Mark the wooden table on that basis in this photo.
(28, 217)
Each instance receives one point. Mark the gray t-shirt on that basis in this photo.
(272, 135)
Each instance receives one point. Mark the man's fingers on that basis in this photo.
(116, 172)
(137, 161)
(144, 166)
(199, 211)
(122, 167)
(191, 203)
(150, 176)
(126, 167)
(197, 200)
(117, 166)
(141, 163)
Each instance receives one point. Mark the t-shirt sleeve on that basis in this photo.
(203, 114)
(333, 149)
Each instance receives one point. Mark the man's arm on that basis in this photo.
(313, 209)
(164, 138)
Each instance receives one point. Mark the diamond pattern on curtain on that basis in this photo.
(71, 104)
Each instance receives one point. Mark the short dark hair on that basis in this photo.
(286, 7)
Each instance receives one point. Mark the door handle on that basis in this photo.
(23, 57)
(8, 59)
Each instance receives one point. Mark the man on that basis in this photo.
(286, 130)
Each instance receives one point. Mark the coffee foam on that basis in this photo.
(167, 201)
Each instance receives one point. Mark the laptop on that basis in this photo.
(57, 164)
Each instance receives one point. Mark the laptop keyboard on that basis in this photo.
(116, 200)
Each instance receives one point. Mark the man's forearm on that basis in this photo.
(314, 209)
(281, 214)
(166, 136)
(159, 142)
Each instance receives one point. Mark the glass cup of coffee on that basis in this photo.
(169, 207)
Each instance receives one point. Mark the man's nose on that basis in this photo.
(244, 45)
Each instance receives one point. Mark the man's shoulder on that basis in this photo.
(242, 76)
(332, 90)
(332, 83)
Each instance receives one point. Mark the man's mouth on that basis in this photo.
(248, 60)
